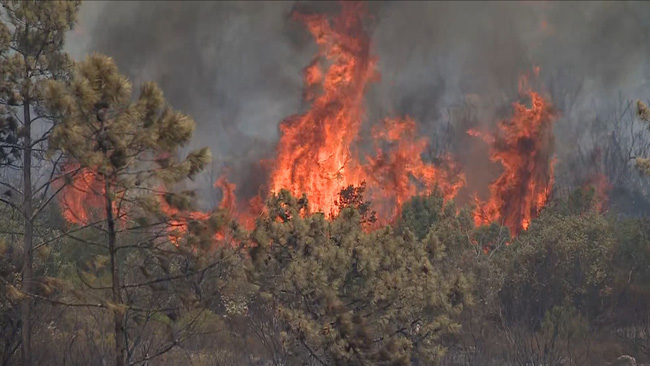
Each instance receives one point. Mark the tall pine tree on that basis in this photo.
(31, 42)
(130, 147)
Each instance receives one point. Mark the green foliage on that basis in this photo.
(562, 339)
(560, 258)
(135, 269)
(347, 296)
(420, 213)
(565, 323)
(31, 43)
(48, 282)
(424, 215)
(31, 47)
(580, 201)
(352, 196)
(133, 145)
(101, 128)
(630, 288)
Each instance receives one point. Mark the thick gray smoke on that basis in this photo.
(458, 63)
(235, 67)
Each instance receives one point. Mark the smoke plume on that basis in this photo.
(235, 67)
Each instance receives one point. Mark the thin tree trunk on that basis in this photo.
(26, 305)
(118, 315)
(9, 349)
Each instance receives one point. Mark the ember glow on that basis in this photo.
(523, 146)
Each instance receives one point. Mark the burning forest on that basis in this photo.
(319, 152)
(523, 145)
(324, 183)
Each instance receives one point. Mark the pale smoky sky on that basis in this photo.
(235, 67)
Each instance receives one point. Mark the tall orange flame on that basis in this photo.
(314, 154)
(317, 154)
(523, 146)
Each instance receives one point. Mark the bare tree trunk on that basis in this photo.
(26, 349)
(118, 315)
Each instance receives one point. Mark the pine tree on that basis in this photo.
(131, 148)
(346, 296)
(31, 41)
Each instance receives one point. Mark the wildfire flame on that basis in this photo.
(314, 155)
(178, 223)
(401, 173)
(81, 201)
(523, 146)
(228, 201)
(316, 152)
(83, 194)
(246, 214)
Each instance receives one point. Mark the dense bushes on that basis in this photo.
(347, 296)
(300, 289)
